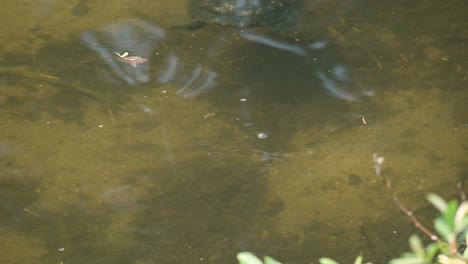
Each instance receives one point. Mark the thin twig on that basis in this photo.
(378, 162)
(369, 54)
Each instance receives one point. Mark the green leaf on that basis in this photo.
(358, 260)
(443, 229)
(437, 201)
(449, 214)
(408, 260)
(327, 261)
(270, 260)
(461, 214)
(444, 259)
(417, 246)
(248, 258)
(432, 250)
(461, 225)
(465, 254)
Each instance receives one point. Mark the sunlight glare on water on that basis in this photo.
(187, 131)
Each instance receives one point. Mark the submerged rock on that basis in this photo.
(281, 15)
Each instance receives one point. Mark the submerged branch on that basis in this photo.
(21, 72)
(378, 162)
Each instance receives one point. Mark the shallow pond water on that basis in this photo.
(131, 136)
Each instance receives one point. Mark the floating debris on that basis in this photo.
(261, 135)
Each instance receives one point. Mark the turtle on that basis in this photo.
(280, 15)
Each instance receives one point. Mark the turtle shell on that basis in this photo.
(244, 13)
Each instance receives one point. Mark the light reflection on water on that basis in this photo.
(225, 139)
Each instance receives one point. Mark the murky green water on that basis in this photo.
(225, 140)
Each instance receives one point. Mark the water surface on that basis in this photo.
(225, 139)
